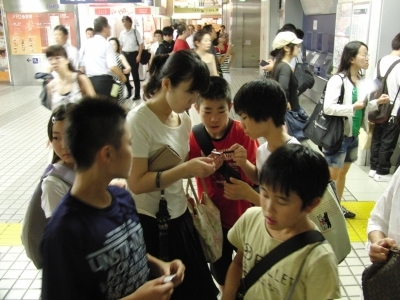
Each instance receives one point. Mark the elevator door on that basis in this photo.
(251, 40)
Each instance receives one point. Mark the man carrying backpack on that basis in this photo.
(386, 134)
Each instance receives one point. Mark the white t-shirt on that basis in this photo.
(149, 134)
(263, 153)
(73, 55)
(319, 277)
(154, 47)
(53, 190)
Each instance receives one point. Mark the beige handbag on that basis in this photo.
(207, 221)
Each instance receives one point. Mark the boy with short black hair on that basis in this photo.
(261, 105)
(93, 246)
(292, 182)
(213, 107)
(167, 45)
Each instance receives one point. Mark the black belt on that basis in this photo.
(129, 52)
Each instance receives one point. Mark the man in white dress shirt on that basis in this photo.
(61, 38)
(99, 59)
(132, 47)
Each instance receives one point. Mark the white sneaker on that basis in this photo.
(382, 178)
(372, 173)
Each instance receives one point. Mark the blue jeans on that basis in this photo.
(348, 153)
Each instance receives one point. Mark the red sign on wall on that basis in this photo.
(142, 10)
(102, 11)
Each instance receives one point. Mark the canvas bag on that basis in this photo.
(35, 220)
(328, 217)
(207, 221)
(381, 280)
(384, 110)
(324, 130)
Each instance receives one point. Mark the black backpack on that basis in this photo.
(384, 110)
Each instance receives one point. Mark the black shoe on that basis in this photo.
(348, 214)
(136, 98)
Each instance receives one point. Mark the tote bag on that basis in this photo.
(207, 221)
(328, 216)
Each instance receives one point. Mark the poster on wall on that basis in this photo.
(4, 73)
(342, 30)
(360, 23)
(32, 33)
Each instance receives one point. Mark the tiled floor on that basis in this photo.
(24, 154)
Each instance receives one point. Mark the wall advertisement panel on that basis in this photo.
(32, 33)
(4, 71)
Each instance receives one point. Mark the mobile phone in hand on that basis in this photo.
(263, 63)
(169, 278)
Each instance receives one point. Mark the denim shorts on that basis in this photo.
(348, 153)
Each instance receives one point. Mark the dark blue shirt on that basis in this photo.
(91, 253)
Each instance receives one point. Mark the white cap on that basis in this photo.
(285, 38)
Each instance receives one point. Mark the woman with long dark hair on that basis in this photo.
(68, 86)
(354, 109)
(173, 87)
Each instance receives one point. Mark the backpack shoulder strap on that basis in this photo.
(62, 172)
(390, 68)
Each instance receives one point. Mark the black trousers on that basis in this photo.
(102, 84)
(131, 58)
(384, 141)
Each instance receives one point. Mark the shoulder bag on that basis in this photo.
(381, 280)
(145, 57)
(324, 130)
(207, 221)
(277, 254)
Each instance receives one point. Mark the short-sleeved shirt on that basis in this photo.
(92, 253)
(319, 277)
(149, 135)
(263, 153)
(230, 210)
(98, 57)
(130, 40)
(181, 45)
(73, 55)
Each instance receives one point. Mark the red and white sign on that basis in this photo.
(142, 10)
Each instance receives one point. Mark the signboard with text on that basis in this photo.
(98, 1)
(32, 33)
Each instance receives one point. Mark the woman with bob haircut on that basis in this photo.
(173, 87)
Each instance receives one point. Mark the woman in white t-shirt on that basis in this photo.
(173, 87)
